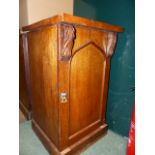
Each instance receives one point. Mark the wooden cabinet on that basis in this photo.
(24, 100)
(69, 60)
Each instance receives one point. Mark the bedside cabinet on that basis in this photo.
(69, 59)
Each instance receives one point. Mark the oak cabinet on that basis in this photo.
(69, 60)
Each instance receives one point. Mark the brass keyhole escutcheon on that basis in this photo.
(63, 97)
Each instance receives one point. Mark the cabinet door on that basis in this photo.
(87, 66)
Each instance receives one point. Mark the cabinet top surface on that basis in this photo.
(66, 18)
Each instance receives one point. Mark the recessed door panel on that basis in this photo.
(86, 88)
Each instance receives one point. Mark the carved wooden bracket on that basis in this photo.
(67, 37)
(111, 42)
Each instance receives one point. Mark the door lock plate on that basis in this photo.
(63, 97)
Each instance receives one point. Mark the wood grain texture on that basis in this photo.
(66, 18)
(43, 68)
(86, 75)
(70, 60)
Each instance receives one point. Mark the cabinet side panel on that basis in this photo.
(43, 70)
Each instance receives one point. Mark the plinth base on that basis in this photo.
(74, 149)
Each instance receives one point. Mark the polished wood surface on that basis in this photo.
(86, 77)
(42, 46)
(86, 83)
(69, 73)
(23, 87)
(67, 18)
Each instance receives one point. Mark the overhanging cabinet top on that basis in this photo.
(66, 18)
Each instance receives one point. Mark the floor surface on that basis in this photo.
(110, 144)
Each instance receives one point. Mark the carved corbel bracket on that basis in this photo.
(111, 42)
(67, 37)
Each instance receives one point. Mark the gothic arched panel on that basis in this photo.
(86, 87)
